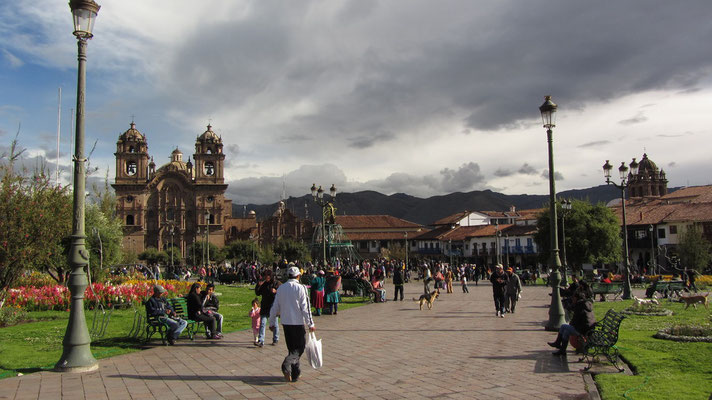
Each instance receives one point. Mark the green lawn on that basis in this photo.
(664, 369)
(35, 346)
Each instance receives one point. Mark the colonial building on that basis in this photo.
(283, 223)
(369, 234)
(175, 204)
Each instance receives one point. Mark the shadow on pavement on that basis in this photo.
(252, 380)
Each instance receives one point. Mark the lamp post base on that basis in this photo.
(556, 309)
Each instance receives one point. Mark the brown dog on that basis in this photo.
(694, 300)
(428, 298)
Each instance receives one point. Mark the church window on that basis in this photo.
(132, 150)
(129, 219)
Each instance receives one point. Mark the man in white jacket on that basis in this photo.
(291, 304)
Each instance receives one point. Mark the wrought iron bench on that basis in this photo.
(601, 340)
(667, 289)
(603, 289)
(156, 324)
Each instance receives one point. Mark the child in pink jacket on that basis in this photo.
(255, 315)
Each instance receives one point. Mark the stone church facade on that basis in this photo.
(175, 204)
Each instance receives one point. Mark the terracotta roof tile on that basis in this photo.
(694, 194)
(451, 219)
(373, 222)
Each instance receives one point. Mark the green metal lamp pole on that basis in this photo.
(76, 353)
(207, 237)
(565, 207)
(623, 170)
(653, 261)
(556, 310)
(318, 195)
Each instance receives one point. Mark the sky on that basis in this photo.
(398, 96)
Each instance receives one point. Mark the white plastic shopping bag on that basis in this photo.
(313, 350)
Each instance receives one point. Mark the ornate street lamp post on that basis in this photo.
(565, 207)
(318, 195)
(653, 259)
(76, 353)
(556, 310)
(406, 250)
(623, 171)
(497, 251)
(207, 238)
(173, 234)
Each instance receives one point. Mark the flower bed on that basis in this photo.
(647, 309)
(686, 333)
(57, 297)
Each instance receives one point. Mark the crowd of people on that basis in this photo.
(293, 293)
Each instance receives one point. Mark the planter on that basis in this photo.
(663, 312)
(665, 335)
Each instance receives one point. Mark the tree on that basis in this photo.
(593, 234)
(217, 255)
(106, 252)
(153, 256)
(292, 250)
(241, 250)
(694, 249)
(34, 216)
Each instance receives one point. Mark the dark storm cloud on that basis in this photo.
(233, 149)
(497, 73)
(596, 143)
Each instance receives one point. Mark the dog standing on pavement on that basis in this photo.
(702, 299)
(428, 299)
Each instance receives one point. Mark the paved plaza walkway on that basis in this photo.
(388, 350)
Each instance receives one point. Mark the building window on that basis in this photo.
(129, 220)
(673, 229)
(661, 233)
(467, 246)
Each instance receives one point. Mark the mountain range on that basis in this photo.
(424, 211)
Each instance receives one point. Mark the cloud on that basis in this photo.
(557, 175)
(597, 143)
(463, 179)
(527, 169)
(638, 118)
(11, 59)
(502, 173)
(672, 164)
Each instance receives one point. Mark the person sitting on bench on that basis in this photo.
(581, 322)
(196, 312)
(158, 306)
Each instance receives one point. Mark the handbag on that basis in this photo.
(313, 350)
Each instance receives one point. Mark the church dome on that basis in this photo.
(177, 166)
(132, 135)
(209, 136)
(646, 165)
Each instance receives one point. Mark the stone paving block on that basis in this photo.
(391, 350)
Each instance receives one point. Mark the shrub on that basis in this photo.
(12, 315)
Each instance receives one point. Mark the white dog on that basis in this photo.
(645, 301)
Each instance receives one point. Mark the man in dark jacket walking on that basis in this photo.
(398, 282)
(267, 288)
(499, 287)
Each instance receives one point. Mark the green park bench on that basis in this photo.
(604, 289)
(602, 339)
(667, 289)
(156, 324)
(358, 287)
